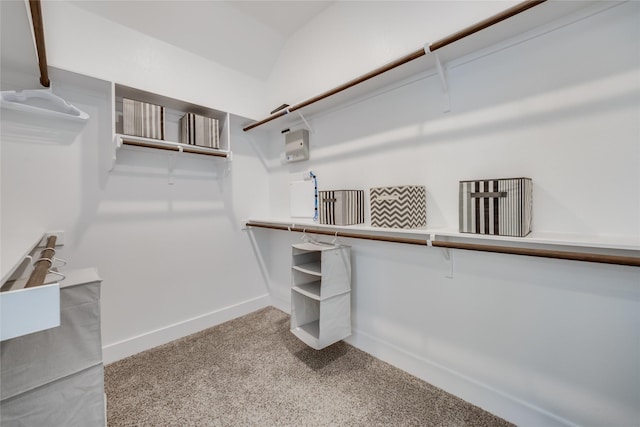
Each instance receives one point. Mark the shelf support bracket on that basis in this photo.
(446, 98)
(117, 143)
(173, 159)
(305, 121)
(447, 253)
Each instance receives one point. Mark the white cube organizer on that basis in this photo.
(320, 293)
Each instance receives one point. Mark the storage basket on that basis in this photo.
(199, 130)
(341, 207)
(496, 206)
(399, 207)
(142, 119)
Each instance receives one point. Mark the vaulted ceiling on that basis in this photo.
(246, 36)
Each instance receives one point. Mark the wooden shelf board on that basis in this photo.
(550, 240)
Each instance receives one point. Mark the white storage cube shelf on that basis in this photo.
(320, 293)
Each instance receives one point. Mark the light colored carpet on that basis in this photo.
(252, 371)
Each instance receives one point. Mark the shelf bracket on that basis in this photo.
(304, 120)
(117, 143)
(173, 159)
(446, 98)
(447, 253)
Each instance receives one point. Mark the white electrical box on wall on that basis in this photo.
(302, 199)
(296, 145)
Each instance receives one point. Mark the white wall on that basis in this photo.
(173, 258)
(351, 38)
(86, 43)
(539, 342)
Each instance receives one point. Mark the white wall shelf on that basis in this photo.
(125, 141)
(320, 309)
(174, 111)
(617, 250)
(539, 19)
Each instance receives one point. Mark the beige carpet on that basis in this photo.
(252, 371)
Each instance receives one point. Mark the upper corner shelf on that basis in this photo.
(518, 20)
(174, 110)
(38, 115)
(44, 103)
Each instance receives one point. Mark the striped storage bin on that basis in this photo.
(496, 206)
(199, 130)
(341, 207)
(399, 207)
(142, 119)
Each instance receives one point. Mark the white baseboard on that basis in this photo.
(281, 304)
(495, 401)
(130, 346)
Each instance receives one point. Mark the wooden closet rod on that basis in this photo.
(38, 31)
(42, 265)
(164, 147)
(492, 20)
(485, 23)
(542, 253)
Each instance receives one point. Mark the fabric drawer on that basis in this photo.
(399, 207)
(341, 207)
(496, 206)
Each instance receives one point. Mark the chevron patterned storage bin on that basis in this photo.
(341, 207)
(496, 206)
(399, 207)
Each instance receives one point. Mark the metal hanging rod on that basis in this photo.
(541, 253)
(42, 265)
(38, 32)
(492, 20)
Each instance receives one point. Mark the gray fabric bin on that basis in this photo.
(36, 359)
(55, 377)
(73, 401)
(399, 207)
(341, 207)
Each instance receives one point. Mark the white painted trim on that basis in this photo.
(492, 400)
(130, 346)
(281, 304)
